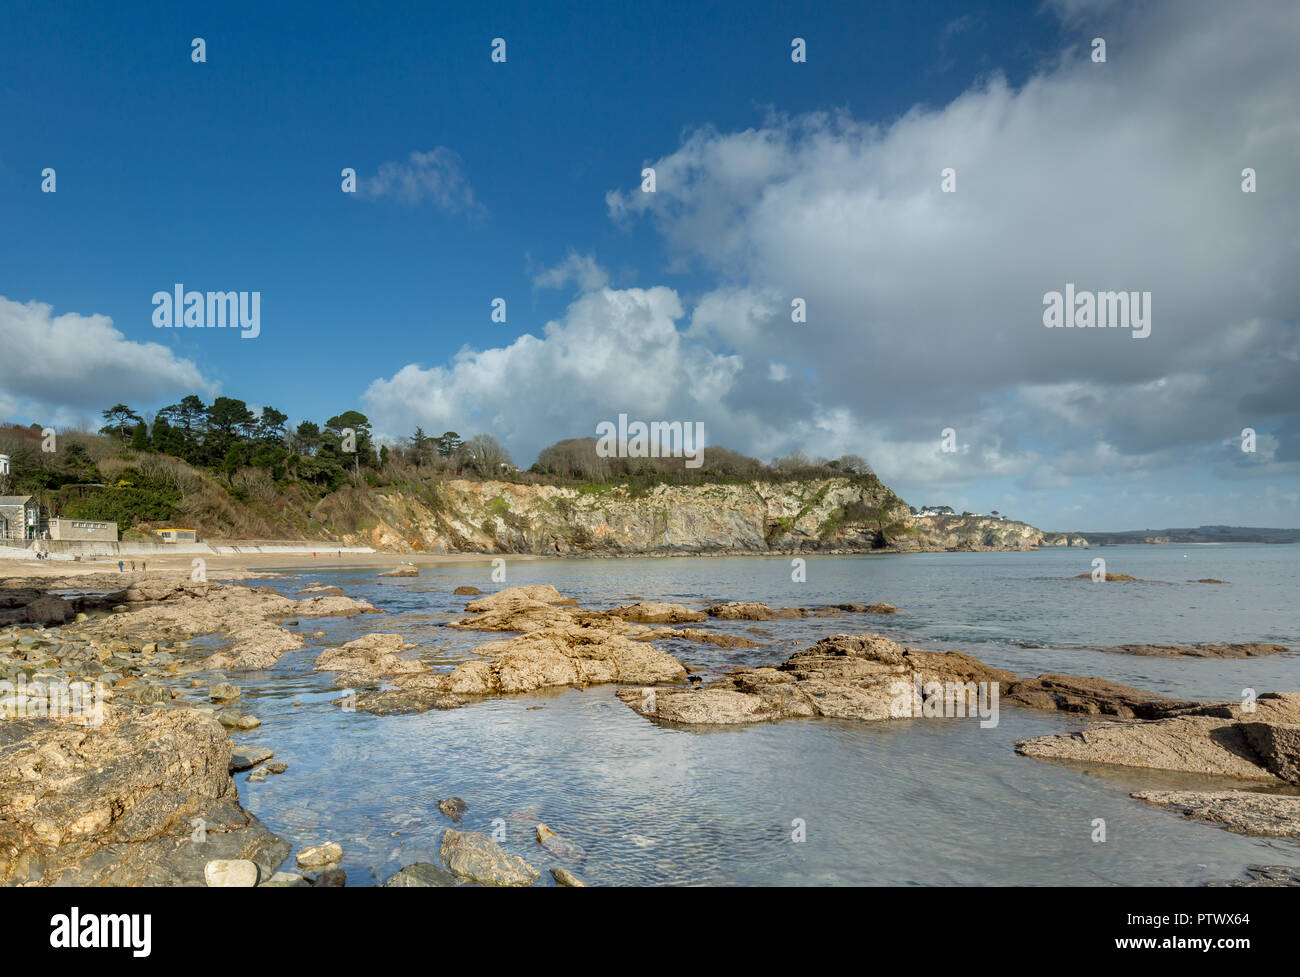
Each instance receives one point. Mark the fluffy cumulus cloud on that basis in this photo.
(62, 369)
(437, 176)
(924, 308)
(576, 269)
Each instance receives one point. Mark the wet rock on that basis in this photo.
(275, 766)
(421, 875)
(330, 878)
(1265, 876)
(321, 590)
(558, 846)
(224, 692)
(405, 570)
(230, 873)
(1199, 651)
(650, 612)
(285, 880)
(247, 757)
(47, 610)
(1110, 577)
(1239, 811)
(319, 856)
(563, 877)
(1090, 696)
(478, 858)
(453, 807)
(464, 591)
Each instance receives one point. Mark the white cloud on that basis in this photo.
(59, 369)
(437, 176)
(924, 308)
(581, 269)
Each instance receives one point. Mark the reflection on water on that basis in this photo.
(906, 802)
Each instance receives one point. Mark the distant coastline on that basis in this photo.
(1202, 534)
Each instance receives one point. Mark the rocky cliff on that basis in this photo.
(827, 515)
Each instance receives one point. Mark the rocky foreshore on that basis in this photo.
(139, 790)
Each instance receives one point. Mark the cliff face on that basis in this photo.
(834, 514)
(984, 533)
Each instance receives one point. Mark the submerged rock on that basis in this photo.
(406, 570)
(1199, 651)
(319, 856)
(453, 807)
(421, 875)
(478, 858)
(465, 591)
(566, 879)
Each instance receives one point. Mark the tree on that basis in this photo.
(449, 444)
(120, 420)
(484, 455)
(307, 438)
(270, 426)
(421, 446)
(140, 437)
(228, 419)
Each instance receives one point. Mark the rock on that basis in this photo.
(319, 856)
(369, 659)
(464, 591)
(1265, 875)
(421, 875)
(276, 767)
(1090, 696)
(123, 803)
(863, 676)
(224, 692)
(285, 880)
(1278, 745)
(321, 590)
(330, 878)
(563, 877)
(230, 873)
(1110, 577)
(247, 757)
(1240, 811)
(453, 807)
(47, 610)
(257, 775)
(248, 722)
(649, 612)
(478, 858)
(539, 593)
(406, 570)
(1199, 651)
(558, 846)
(1190, 743)
(750, 611)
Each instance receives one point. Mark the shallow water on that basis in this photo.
(903, 802)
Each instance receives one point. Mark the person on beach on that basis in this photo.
(120, 568)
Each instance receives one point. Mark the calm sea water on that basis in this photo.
(921, 802)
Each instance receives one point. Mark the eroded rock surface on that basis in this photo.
(120, 803)
(1240, 811)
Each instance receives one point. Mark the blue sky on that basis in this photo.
(226, 175)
